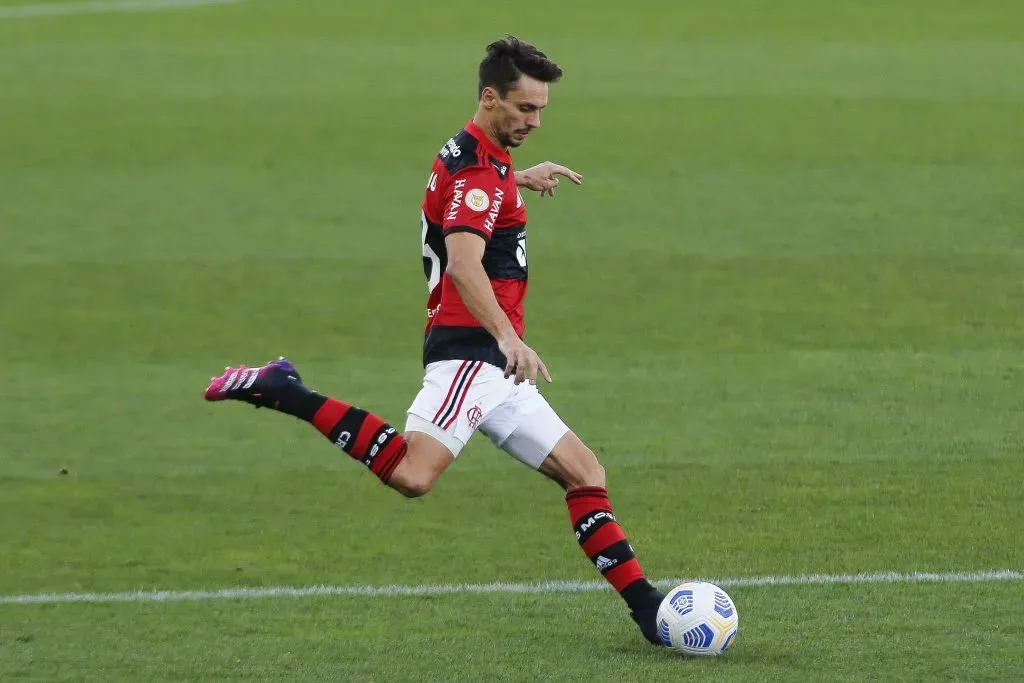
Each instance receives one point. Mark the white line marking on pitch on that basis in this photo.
(544, 587)
(56, 9)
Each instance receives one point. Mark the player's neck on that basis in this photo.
(483, 124)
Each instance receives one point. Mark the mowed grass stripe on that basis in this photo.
(56, 9)
(491, 588)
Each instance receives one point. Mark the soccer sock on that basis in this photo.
(604, 542)
(361, 434)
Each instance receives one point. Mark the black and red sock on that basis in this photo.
(361, 434)
(605, 543)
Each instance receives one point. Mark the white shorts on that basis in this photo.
(460, 396)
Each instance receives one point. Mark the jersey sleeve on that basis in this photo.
(471, 202)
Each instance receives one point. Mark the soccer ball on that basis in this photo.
(698, 618)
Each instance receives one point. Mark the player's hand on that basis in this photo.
(523, 362)
(543, 177)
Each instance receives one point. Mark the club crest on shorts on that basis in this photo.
(474, 416)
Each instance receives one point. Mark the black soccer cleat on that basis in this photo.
(646, 616)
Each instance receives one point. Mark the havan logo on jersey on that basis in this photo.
(495, 209)
(457, 192)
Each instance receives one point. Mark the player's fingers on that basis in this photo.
(524, 369)
(569, 173)
(544, 370)
(514, 363)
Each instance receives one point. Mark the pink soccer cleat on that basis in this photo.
(257, 386)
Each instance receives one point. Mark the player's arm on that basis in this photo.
(543, 177)
(466, 270)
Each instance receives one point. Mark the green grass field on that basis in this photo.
(786, 309)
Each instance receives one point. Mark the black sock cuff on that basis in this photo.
(296, 399)
(641, 595)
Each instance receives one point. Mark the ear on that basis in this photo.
(489, 98)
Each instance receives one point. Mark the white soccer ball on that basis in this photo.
(698, 618)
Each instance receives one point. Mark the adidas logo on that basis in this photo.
(241, 379)
(603, 562)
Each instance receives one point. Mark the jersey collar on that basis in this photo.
(492, 149)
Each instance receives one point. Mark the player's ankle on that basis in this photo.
(296, 399)
(641, 594)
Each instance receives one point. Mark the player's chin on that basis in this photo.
(517, 139)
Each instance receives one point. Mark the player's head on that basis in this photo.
(513, 88)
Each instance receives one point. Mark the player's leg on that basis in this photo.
(528, 428)
(411, 466)
(572, 465)
(424, 463)
(576, 469)
(455, 397)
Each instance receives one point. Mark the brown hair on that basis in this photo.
(508, 59)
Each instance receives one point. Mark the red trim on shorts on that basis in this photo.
(451, 389)
(462, 399)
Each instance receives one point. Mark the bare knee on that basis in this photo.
(590, 474)
(412, 481)
(411, 487)
(572, 465)
(422, 466)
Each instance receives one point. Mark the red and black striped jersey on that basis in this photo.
(472, 189)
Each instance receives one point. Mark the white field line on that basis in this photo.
(494, 588)
(57, 9)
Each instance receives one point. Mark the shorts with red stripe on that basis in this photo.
(460, 397)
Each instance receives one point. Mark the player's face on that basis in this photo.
(518, 113)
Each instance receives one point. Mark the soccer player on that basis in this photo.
(479, 373)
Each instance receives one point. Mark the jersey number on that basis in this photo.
(435, 261)
(521, 252)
